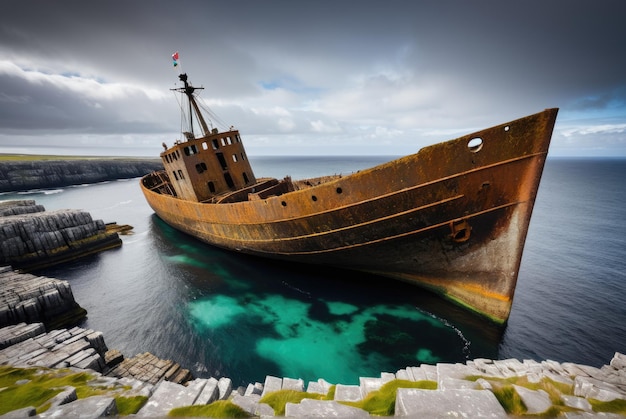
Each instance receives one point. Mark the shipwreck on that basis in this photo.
(452, 217)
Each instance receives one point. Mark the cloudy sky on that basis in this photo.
(309, 77)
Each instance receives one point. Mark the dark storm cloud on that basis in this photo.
(363, 72)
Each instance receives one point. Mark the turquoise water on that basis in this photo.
(268, 318)
(222, 314)
(340, 341)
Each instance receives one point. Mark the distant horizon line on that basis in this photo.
(14, 156)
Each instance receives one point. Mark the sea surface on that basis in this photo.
(222, 314)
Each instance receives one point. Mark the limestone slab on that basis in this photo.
(90, 407)
(576, 402)
(311, 408)
(404, 374)
(225, 387)
(369, 384)
(250, 403)
(536, 401)
(448, 403)
(320, 386)
(293, 384)
(166, 397)
(209, 393)
(348, 393)
(272, 384)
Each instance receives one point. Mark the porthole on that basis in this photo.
(475, 144)
(314, 198)
(507, 128)
(339, 190)
(283, 203)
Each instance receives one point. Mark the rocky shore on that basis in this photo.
(26, 298)
(25, 175)
(74, 374)
(31, 237)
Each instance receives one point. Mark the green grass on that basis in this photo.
(129, 405)
(39, 388)
(617, 406)
(510, 400)
(24, 387)
(218, 409)
(10, 375)
(382, 402)
(279, 399)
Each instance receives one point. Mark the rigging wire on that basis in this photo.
(210, 116)
(183, 112)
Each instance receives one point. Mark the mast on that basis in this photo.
(189, 90)
(205, 167)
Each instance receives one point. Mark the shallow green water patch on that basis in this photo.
(313, 338)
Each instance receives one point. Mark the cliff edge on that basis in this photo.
(22, 175)
(32, 238)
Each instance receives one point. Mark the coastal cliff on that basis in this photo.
(36, 299)
(31, 237)
(22, 175)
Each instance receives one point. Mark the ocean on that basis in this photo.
(222, 314)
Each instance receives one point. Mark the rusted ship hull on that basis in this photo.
(452, 217)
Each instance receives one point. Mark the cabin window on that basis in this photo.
(216, 145)
(235, 158)
(222, 160)
(243, 156)
(229, 180)
(339, 190)
(205, 146)
(245, 178)
(223, 141)
(200, 167)
(211, 186)
(238, 138)
(175, 175)
(191, 150)
(229, 141)
(180, 173)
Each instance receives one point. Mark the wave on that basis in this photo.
(40, 191)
